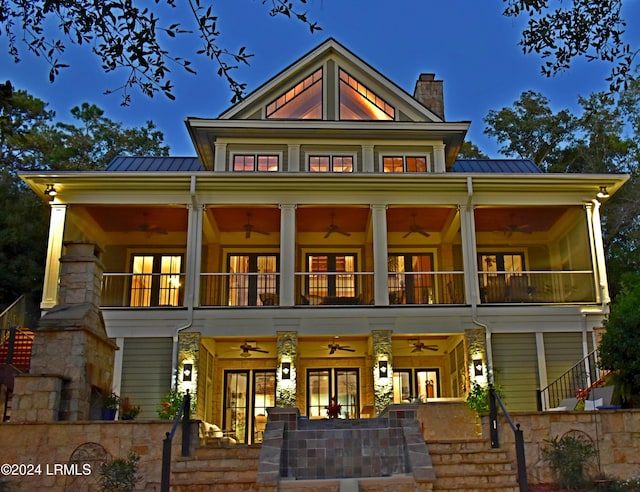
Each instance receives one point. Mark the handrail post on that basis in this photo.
(521, 460)
(10, 344)
(166, 463)
(493, 418)
(186, 424)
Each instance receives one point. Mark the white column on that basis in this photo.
(287, 254)
(368, 164)
(380, 255)
(468, 238)
(439, 165)
(597, 240)
(194, 247)
(293, 163)
(54, 252)
(220, 160)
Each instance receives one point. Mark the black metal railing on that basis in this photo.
(185, 413)
(494, 401)
(578, 378)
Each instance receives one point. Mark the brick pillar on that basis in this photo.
(72, 357)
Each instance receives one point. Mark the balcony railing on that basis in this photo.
(537, 287)
(142, 290)
(239, 289)
(334, 288)
(426, 288)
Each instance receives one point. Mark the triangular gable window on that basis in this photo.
(302, 102)
(357, 102)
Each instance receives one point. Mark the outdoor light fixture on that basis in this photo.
(286, 370)
(50, 191)
(187, 371)
(477, 367)
(603, 193)
(382, 369)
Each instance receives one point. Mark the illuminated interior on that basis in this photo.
(357, 102)
(303, 101)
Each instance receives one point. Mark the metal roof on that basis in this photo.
(189, 164)
(169, 164)
(522, 166)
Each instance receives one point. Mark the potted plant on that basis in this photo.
(170, 405)
(110, 404)
(333, 410)
(128, 410)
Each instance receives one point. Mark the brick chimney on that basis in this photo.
(430, 93)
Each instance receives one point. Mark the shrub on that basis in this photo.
(120, 474)
(569, 457)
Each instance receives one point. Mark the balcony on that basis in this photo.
(537, 287)
(138, 290)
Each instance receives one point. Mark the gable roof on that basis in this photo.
(329, 49)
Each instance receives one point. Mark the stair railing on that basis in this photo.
(185, 413)
(14, 314)
(494, 401)
(578, 378)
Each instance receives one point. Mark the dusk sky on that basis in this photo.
(466, 43)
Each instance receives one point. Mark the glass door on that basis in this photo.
(236, 399)
(155, 280)
(264, 396)
(253, 279)
(322, 384)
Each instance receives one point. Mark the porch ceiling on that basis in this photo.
(150, 219)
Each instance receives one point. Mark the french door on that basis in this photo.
(331, 275)
(252, 278)
(323, 384)
(247, 395)
(410, 278)
(155, 280)
(415, 383)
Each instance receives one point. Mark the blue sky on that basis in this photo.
(466, 43)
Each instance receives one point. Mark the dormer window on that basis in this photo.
(301, 102)
(331, 163)
(256, 162)
(357, 102)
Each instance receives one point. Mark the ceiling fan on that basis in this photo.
(335, 346)
(509, 229)
(148, 228)
(249, 228)
(247, 348)
(415, 228)
(334, 228)
(418, 346)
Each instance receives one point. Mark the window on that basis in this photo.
(155, 280)
(410, 278)
(331, 163)
(331, 275)
(405, 164)
(357, 102)
(303, 101)
(253, 279)
(415, 383)
(256, 162)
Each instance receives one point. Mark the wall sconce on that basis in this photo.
(50, 191)
(477, 367)
(187, 371)
(383, 369)
(286, 370)
(603, 194)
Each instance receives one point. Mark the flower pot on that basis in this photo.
(109, 413)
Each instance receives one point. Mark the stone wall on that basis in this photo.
(86, 443)
(616, 434)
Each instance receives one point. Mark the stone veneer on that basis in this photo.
(296, 448)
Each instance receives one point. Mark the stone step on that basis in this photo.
(450, 445)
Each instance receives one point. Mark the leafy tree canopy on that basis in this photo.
(129, 35)
(562, 31)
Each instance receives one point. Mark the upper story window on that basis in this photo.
(357, 102)
(303, 101)
(256, 162)
(331, 163)
(405, 164)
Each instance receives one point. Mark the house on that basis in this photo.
(326, 242)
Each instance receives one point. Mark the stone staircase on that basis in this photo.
(472, 466)
(219, 469)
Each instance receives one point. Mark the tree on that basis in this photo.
(30, 140)
(589, 29)
(129, 35)
(469, 150)
(530, 129)
(620, 345)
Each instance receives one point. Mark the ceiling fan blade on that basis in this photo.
(262, 351)
(416, 349)
(424, 233)
(332, 349)
(407, 234)
(346, 349)
(433, 348)
(344, 233)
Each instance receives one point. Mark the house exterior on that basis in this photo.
(326, 243)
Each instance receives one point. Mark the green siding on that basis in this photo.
(146, 372)
(562, 351)
(515, 366)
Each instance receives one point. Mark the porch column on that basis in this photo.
(468, 237)
(382, 369)
(603, 288)
(439, 164)
(194, 246)
(54, 252)
(286, 372)
(380, 255)
(188, 360)
(477, 355)
(287, 254)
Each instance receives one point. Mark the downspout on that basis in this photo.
(471, 230)
(191, 259)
